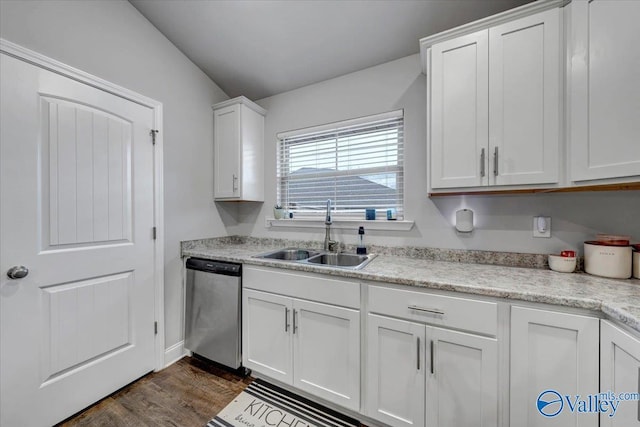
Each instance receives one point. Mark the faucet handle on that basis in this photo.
(333, 246)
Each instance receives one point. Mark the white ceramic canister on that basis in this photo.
(636, 265)
(607, 260)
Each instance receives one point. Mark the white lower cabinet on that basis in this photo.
(326, 352)
(619, 373)
(417, 373)
(462, 385)
(267, 339)
(312, 346)
(423, 375)
(395, 373)
(431, 359)
(553, 355)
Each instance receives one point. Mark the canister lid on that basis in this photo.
(598, 243)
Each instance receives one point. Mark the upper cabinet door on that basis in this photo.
(605, 90)
(238, 141)
(227, 148)
(525, 100)
(459, 112)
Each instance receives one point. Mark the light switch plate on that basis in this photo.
(541, 226)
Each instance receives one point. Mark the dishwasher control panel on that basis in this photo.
(216, 267)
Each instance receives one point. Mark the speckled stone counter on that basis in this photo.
(617, 299)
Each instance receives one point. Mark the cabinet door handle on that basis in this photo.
(286, 319)
(431, 351)
(235, 182)
(418, 352)
(295, 323)
(426, 310)
(495, 161)
(482, 171)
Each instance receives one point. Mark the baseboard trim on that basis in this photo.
(174, 353)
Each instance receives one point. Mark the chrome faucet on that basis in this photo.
(328, 243)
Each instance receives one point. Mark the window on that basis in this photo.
(358, 164)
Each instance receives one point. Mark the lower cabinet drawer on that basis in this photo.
(310, 286)
(451, 312)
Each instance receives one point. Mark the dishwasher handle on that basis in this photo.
(216, 267)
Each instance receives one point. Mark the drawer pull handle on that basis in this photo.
(426, 310)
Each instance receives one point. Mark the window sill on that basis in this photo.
(271, 222)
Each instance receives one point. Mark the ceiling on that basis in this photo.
(259, 48)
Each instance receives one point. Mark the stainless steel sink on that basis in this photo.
(288, 254)
(343, 260)
(321, 258)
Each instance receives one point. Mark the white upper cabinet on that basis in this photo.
(495, 102)
(459, 111)
(238, 150)
(525, 99)
(604, 95)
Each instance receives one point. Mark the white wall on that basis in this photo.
(504, 223)
(111, 40)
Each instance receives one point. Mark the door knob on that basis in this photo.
(17, 272)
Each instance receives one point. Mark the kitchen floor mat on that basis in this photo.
(263, 404)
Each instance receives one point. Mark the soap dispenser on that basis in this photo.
(361, 249)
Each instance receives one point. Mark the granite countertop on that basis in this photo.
(617, 299)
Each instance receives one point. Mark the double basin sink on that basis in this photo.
(330, 259)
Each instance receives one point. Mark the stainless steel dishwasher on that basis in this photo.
(213, 317)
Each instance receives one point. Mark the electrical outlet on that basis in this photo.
(541, 226)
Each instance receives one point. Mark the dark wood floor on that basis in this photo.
(187, 393)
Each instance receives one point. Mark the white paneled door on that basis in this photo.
(77, 192)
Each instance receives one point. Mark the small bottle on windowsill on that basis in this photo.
(361, 249)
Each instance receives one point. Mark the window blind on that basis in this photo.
(358, 164)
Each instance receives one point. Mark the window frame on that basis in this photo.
(389, 120)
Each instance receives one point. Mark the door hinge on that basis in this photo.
(155, 328)
(154, 231)
(153, 134)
